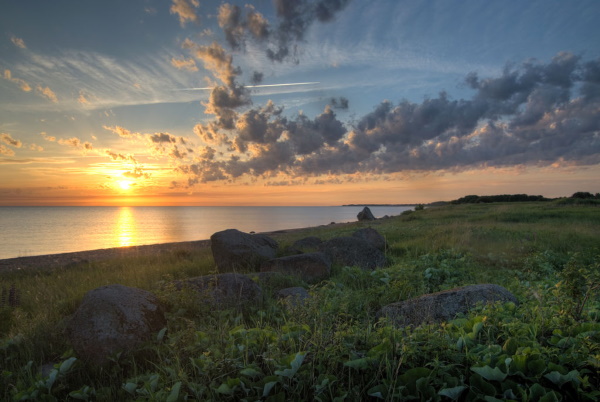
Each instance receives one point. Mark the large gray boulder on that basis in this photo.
(111, 319)
(235, 251)
(365, 215)
(371, 236)
(353, 251)
(445, 305)
(224, 291)
(310, 267)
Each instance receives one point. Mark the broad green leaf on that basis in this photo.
(481, 386)
(250, 372)
(268, 387)
(452, 393)
(549, 397)
(66, 365)
(510, 346)
(51, 378)
(294, 366)
(413, 375)
(490, 374)
(560, 379)
(363, 363)
(536, 367)
(130, 387)
(174, 395)
(161, 334)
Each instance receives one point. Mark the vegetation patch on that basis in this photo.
(332, 346)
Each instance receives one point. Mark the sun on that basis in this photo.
(124, 184)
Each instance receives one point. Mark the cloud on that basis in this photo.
(185, 9)
(216, 59)
(341, 103)
(8, 140)
(18, 42)
(48, 137)
(82, 99)
(6, 151)
(184, 64)
(532, 114)
(162, 137)
(47, 92)
(76, 143)
(25, 87)
(120, 157)
(294, 18)
(122, 132)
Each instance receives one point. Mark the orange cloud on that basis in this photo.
(6, 151)
(47, 92)
(8, 140)
(22, 83)
(184, 64)
(185, 10)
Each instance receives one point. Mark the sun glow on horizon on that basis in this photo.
(124, 184)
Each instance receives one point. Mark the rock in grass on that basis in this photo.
(365, 215)
(371, 236)
(224, 291)
(307, 243)
(293, 296)
(310, 267)
(353, 251)
(235, 251)
(445, 305)
(112, 319)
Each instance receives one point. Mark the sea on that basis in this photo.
(30, 231)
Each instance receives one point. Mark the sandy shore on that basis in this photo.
(50, 261)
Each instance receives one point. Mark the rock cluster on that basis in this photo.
(113, 319)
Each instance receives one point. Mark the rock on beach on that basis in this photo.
(238, 251)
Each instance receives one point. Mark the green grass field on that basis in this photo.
(333, 348)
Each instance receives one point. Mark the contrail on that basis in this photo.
(254, 86)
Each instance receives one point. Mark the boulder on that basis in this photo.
(307, 243)
(111, 319)
(224, 291)
(372, 237)
(293, 296)
(272, 280)
(238, 251)
(365, 215)
(353, 251)
(310, 267)
(445, 305)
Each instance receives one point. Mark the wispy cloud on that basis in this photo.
(18, 42)
(291, 84)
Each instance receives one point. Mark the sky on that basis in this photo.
(311, 102)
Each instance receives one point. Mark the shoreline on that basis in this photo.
(65, 260)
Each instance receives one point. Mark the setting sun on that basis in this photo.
(124, 184)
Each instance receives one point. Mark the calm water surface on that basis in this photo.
(26, 231)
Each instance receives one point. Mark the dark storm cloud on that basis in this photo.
(532, 114)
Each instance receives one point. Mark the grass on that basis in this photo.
(334, 347)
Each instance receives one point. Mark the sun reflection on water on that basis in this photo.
(125, 229)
